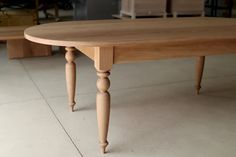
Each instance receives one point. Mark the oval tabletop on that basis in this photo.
(116, 32)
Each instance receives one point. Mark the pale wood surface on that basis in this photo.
(37, 50)
(12, 32)
(18, 47)
(89, 51)
(117, 32)
(178, 49)
(22, 48)
(103, 107)
(103, 58)
(70, 76)
(103, 61)
(199, 72)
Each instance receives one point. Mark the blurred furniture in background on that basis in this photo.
(18, 12)
(221, 8)
(135, 8)
(157, 8)
(18, 17)
(95, 9)
(35, 6)
(44, 5)
(141, 8)
(186, 7)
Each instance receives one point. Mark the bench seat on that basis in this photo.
(18, 46)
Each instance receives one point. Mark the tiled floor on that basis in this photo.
(154, 113)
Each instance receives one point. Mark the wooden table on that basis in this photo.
(109, 42)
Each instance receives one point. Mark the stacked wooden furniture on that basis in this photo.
(18, 17)
(18, 47)
(186, 7)
(222, 8)
(134, 8)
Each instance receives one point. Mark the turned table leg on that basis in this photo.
(70, 76)
(103, 107)
(103, 61)
(199, 72)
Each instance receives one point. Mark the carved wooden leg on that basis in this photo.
(199, 72)
(103, 107)
(70, 76)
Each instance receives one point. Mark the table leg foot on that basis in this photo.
(70, 76)
(72, 108)
(198, 90)
(103, 147)
(199, 72)
(103, 108)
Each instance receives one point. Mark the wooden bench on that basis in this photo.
(18, 46)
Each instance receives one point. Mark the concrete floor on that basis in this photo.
(154, 110)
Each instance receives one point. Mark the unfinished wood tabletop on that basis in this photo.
(116, 32)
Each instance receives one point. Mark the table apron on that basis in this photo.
(153, 51)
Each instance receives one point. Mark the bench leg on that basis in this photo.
(38, 50)
(103, 107)
(199, 72)
(70, 76)
(17, 49)
(22, 48)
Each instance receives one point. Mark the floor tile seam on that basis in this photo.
(52, 111)
(24, 100)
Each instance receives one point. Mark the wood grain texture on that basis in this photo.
(103, 58)
(22, 48)
(191, 48)
(18, 47)
(103, 107)
(12, 32)
(38, 50)
(119, 32)
(88, 51)
(103, 61)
